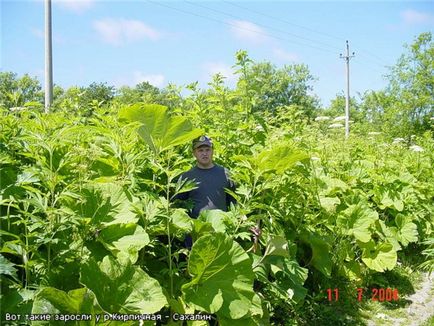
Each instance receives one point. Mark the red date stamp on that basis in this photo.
(380, 294)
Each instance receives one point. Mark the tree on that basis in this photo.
(142, 92)
(270, 88)
(15, 92)
(337, 108)
(411, 86)
(83, 100)
(373, 107)
(57, 92)
(99, 92)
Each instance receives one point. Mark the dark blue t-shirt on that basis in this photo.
(210, 192)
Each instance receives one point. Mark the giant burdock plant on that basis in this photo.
(162, 132)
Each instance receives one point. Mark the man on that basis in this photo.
(211, 180)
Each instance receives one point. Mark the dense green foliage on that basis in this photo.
(16, 92)
(89, 224)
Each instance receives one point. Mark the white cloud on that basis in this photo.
(121, 31)
(417, 17)
(77, 6)
(247, 31)
(137, 77)
(213, 68)
(284, 55)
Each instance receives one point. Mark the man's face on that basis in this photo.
(203, 155)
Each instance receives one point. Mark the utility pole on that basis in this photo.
(347, 58)
(48, 57)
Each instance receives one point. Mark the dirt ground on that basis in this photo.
(418, 312)
(422, 306)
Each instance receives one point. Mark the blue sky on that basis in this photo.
(127, 42)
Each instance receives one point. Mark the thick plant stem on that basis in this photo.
(26, 258)
(169, 240)
(169, 252)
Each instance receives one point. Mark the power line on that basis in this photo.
(239, 27)
(378, 61)
(282, 20)
(210, 18)
(369, 55)
(260, 32)
(262, 25)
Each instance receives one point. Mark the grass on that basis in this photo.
(317, 310)
(408, 280)
(429, 322)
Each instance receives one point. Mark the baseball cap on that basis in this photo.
(201, 141)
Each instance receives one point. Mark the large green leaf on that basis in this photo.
(139, 112)
(56, 302)
(217, 218)
(124, 240)
(388, 234)
(387, 197)
(329, 203)
(16, 301)
(357, 220)
(289, 278)
(122, 287)
(201, 228)
(78, 304)
(106, 167)
(121, 204)
(277, 246)
(257, 318)
(279, 158)
(331, 186)
(379, 257)
(222, 277)
(158, 129)
(352, 270)
(104, 204)
(7, 268)
(180, 222)
(406, 230)
(320, 252)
